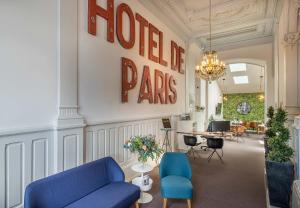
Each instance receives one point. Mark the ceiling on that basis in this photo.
(234, 22)
(252, 71)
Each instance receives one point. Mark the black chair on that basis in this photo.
(192, 142)
(215, 143)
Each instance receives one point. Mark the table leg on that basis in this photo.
(145, 197)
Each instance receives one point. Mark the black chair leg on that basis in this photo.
(219, 156)
(222, 153)
(193, 153)
(210, 156)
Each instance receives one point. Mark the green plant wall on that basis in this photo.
(230, 107)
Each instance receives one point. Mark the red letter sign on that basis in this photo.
(108, 14)
(174, 62)
(125, 8)
(180, 60)
(172, 83)
(146, 83)
(143, 23)
(167, 88)
(159, 90)
(161, 50)
(152, 43)
(128, 85)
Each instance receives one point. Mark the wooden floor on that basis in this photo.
(236, 183)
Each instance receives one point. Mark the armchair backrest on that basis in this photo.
(190, 140)
(175, 163)
(68, 186)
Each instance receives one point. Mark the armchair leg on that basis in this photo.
(165, 202)
(189, 203)
(137, 205)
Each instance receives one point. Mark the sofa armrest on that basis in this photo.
(115, 173)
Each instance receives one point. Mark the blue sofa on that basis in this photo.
(98, 184)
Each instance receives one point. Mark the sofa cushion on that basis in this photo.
(176, 187)
(113, 195)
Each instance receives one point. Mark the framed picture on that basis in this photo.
(219, 109)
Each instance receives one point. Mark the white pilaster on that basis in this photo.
(68, 136)
(291, 65)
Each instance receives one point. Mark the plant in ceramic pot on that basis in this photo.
(280, 170)
(145, 146)
(270, 132)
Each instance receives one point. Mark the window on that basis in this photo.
(237, 67)
(240, 80)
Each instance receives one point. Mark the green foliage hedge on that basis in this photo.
(280, 151)
(230, 106)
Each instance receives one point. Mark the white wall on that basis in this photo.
(28, 63)
(214, 97)
(193, 93)
(100, 71)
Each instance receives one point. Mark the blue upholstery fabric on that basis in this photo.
(175, 176)
(64, 188)
(114, 195)
(176, 187)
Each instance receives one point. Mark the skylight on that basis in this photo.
(240, 80)
(237, 67)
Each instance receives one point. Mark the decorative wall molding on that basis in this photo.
(94, 123)
(69, 117)
(69, 112)
(29, 130)
(291, 39)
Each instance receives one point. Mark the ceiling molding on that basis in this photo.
(244, 43)
(232, 21)
(180, 30)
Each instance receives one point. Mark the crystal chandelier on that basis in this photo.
(211, 68)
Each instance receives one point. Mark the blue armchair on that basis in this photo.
(175, 177)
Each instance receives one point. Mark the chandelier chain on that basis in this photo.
(211, 68)
(210, 8)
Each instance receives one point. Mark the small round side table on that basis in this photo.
(139, 181)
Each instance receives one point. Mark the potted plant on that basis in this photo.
(145, 146)
(270, 131)
(280, 170)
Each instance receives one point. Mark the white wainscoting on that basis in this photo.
(108, 139)
(24, 158)
(27, 156)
